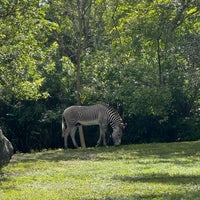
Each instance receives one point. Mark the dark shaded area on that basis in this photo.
(161, 178)
(163, 152)
(169, 196)
(36, 125)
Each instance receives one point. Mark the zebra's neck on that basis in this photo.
(113, 118)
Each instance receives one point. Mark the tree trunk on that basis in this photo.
(78, 72)
(160, 73)
(78, 96)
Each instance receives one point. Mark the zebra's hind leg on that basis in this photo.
(99, 141)
(66, 134)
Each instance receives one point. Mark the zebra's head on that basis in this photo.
(117, 134)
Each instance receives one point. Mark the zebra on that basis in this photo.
(98, 114)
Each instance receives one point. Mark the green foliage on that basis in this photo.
(25, 57)
(147, 171)
(139, 56)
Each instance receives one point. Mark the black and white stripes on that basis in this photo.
(114, 117)
(98, 114)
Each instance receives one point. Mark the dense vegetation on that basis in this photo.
(146, 171)
(140, 56)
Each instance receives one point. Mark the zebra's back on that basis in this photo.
(85, 115)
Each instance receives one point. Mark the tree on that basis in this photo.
(148, 33)
(158, 76)
(143, 55)
(24, 57)
(78, 33)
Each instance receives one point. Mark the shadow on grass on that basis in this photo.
(165, 152)
(193, 181)
(3, 177)
(100, 153)
(161, 178)
(166, 196)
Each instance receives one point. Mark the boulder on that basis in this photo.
(6, 150)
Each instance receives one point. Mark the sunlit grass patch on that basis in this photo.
(146, 171)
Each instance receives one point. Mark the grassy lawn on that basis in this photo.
(145, 171)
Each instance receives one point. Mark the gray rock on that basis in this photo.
(6, 150)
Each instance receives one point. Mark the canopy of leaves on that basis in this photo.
(25, 56)
(140, 56)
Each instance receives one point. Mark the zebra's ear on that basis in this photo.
(123, 125)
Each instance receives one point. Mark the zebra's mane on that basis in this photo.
(113, 110)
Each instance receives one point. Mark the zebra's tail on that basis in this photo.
(63, 126)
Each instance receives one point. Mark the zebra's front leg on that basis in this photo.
(104, 139)
(73, 131)
(102, 136)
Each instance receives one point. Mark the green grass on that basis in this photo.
(146, 171)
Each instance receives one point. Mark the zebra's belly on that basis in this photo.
(88, 123)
